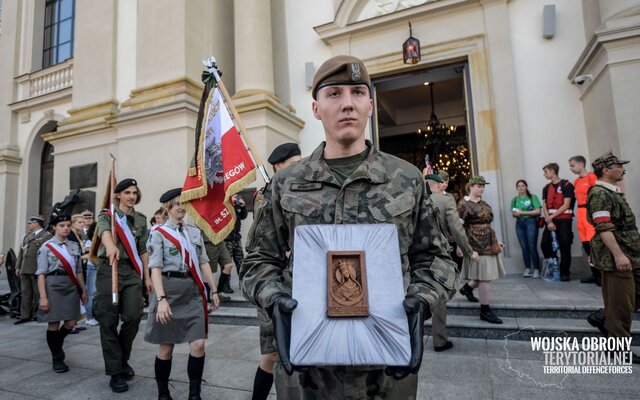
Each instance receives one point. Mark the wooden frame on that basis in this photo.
(347, 292)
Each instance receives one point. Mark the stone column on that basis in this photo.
(254, 48)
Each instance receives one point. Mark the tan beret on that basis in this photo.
(340, 70)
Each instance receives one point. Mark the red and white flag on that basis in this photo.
(223, 167)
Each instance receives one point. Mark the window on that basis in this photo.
(58, 31)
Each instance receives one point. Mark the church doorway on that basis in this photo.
(423, 117)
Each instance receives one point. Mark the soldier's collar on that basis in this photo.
(372, 168)
(120, 212)
(613, 188)
(172, 224)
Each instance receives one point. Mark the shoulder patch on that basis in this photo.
(306, 187)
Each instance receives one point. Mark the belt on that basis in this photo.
(582, 206)
(565, 212)
(176, 274)
(57, 273)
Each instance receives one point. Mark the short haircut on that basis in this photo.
(598, 172)
(553, 167)
(578, 159)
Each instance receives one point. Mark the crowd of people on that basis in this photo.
(346, 180)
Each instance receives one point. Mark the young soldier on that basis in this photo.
(347, 181)
(454, 231)
(131, 253)
(61, 288)
(27, 265)
(615, 249)
(280, 158)
(582, 184)
(558, 199)
(179, 268)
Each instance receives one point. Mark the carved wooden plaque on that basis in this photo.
(347, 284)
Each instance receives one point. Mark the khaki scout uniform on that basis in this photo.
(27, 264)
(382, 189)
(608, 211)
(454, 231)
(116, 346)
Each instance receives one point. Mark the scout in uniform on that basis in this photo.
(178, 311)
(454, 231)
(26, 267)
(61, 288)
(131, 253)
(281, 157)
(477, 216)
(347, 181)
(615, 248)
(583, 183)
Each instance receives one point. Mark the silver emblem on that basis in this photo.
(355, 72)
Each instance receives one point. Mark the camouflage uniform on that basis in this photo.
(234, 240)
(116, 346)
(608, 211)
(383, 189)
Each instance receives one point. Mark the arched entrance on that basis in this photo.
(46, 181)
(39, 193)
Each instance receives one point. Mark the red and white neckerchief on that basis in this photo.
(127, 240)
(67, 261)
(190, 258)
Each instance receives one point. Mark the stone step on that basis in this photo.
(468, 326)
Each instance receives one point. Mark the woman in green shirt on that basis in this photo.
(526, 208)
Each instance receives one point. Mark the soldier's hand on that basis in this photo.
(44, 304)
(418, 311)
(459, 252)
(280, 308)
(623, 263)
(18, 273)
(163, 314)
(113, 254)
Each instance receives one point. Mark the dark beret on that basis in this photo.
(37, 218)
(433, 177)
(59, 218)
(170, 195)
(125, 183)
(340, 70)
(284, 152)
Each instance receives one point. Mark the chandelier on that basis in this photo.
(435, 131)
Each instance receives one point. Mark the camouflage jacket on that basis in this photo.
(477, 219)
(383, 189)
(608, 211)
(262, 200)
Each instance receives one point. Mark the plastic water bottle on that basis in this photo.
(554, 241)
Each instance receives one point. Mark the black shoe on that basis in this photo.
(58, 364)
(194, 389)
(118, 384)
(22, 321)
(590, 279)
(227, 288)
(596, 319)
(444, 347)
(467, 291)
(490, 317)
(74, 331)
(127, 372)
(565, 278)
(163, 390)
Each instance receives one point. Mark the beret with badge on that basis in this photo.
(125, 183)
(283, 152)
(340, 70)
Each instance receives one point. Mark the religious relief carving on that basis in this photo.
(375, 8)
(347, 284)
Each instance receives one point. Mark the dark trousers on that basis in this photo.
(235, 251)
(527, 231)
(30, 297)
(565, 238)
(621, 295)
(116, 345)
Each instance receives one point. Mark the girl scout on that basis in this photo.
(61, 288)
(179, 268)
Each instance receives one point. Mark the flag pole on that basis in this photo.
(114, 265)
(210, 64)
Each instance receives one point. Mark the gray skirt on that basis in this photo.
(64, 300)
(489, 268)
(187, 321)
